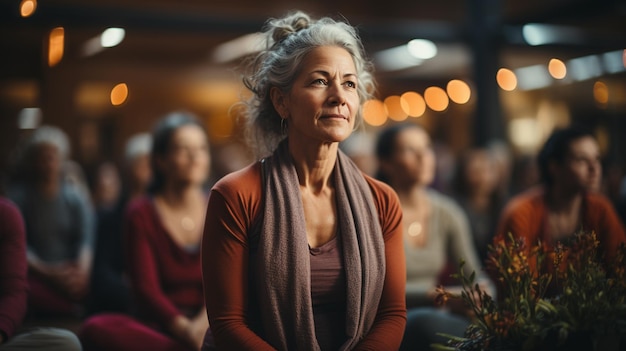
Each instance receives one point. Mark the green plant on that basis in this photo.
(546, 297)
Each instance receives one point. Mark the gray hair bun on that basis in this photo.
(281, 29)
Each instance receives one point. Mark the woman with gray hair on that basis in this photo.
(301, 250)
(59, 226)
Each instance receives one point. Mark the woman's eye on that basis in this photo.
(320, 81)
(350, 84)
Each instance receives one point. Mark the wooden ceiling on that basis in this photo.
(168, 35)
(171, 41)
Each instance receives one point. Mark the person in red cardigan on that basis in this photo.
(14, 291)
(162, 244)
(567, 200)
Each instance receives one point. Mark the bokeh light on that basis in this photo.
(506, 79)
(458, 91)
(413, 103)
(119, 94)
(422, 49)
(374, 112)
(28, 7)
(393, 107)
(436, 98)
(56, 45)
(111, 37)
(601, 92)
(557, 69)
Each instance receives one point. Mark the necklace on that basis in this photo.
(415, 229)
(187, 223)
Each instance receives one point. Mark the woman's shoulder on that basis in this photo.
(529, 200)
(381, 190)
(597, 200)
(446, 205)
(439, 199)
(9, 211)
(242, 184)
(140, 205)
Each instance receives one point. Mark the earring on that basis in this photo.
(283, 126)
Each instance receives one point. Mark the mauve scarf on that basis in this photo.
(282, 262)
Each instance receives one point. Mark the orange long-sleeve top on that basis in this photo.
(235, 204)
(525, 216)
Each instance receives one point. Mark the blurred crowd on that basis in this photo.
(115, 255)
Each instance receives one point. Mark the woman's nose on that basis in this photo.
(337, 96)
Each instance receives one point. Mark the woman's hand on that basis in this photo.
(190, 331)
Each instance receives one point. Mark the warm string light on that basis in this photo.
(458, 91)
(28, 7)
(412, 104)
(56, 43)
(119, 94)
(506, 79)
(436, 98)
(557, 69)
(374, 112)
(393, 108)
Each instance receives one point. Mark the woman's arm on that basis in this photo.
(225, 275)
(142, 269)
(463, 249)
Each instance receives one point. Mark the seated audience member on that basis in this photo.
(136, 173)
(302, 250)
(14, 290)
(162, 237)
(476, 190)
(567, 199)
(59, 227)
(106, 187)
(110, 289)
(436, 233)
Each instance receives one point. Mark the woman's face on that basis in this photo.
(581, 169)
(413, 159)
(187, 160)
(323, 102)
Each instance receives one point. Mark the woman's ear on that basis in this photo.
(279, 100)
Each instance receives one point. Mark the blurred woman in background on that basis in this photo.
(436, 234)
(162, 235)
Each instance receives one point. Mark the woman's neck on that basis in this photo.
(314, 165)
(178, 196)
(411, 195)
